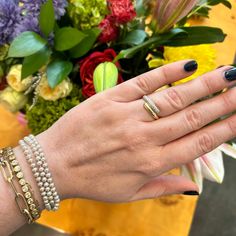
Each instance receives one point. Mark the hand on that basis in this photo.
(110, 149)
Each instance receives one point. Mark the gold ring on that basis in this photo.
(150, 107)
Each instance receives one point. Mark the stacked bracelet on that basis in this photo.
(37, 161)
(11, 170)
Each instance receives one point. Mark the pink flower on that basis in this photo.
(169, 12)
(110, 31)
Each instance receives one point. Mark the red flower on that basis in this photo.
(122, 10)
(89, 64)
(109, 29)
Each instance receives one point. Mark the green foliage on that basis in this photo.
(33, 63)
(26, 44)
(57, 71)
(67, 38)
(45, 113)
(47, 18)
(86, 44)
(135, 37)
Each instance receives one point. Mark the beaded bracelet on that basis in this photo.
(32, 149)
(11, 170)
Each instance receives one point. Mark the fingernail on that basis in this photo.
(190, 66)
(220, 67)
(230, 75)
(191, 193)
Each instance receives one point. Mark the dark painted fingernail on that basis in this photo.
(230, 75)
(190, 66)
(220, 67)
(193, 193)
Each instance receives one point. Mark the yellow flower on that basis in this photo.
(14, 79)
(12, 100)
(205, 55)
(60, 91)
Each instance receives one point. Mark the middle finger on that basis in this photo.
(176, 98)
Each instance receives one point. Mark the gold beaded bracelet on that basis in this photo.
(11, 170)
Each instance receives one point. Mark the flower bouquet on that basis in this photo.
(56, 53)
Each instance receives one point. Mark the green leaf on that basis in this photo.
(67, 38)
(195, 35)
(135, 37)
(154, 41)
(140, 10)
(57, 71)
(86, 44)
(47, 18)
(105, 76)
(26, 44)
(33, 63)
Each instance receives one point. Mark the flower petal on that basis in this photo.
(193, 172)
(213, 166)
(228, 149)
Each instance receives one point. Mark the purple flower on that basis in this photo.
(9, 17)
(32, 7)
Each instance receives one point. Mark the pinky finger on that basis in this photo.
(166, 185)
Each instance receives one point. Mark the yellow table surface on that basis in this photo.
(167, 216)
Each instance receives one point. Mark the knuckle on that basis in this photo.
(207, 83)
(175, 99)
(228, 103)
(193, 119)
(232, 126)
(150, 168)
(144, 84)
(206, 143)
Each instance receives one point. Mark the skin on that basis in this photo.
(110, 149)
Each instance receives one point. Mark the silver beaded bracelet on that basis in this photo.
(32, 150)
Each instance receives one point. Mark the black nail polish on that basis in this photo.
(230, 75)
(190, 66)
(191, 193)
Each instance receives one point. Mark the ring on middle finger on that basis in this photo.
(150, 107)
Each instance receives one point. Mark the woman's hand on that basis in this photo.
(110, 149)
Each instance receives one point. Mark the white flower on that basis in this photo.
(15, 81)
(60, 91)
(209, 166)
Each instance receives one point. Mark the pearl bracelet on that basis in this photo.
(32, 149)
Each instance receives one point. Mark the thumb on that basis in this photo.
(166, 185)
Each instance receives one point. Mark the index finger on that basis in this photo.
(149, 82)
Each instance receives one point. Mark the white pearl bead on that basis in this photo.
(38, 179)
(48, 207)
(40, 184)
(49, 194)
(36, 174)
(48, 175)
(39, 163)
(50, 197)
(45, 198)
(33, 165)
(44, 179)
(42, 174)
(47, 189)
